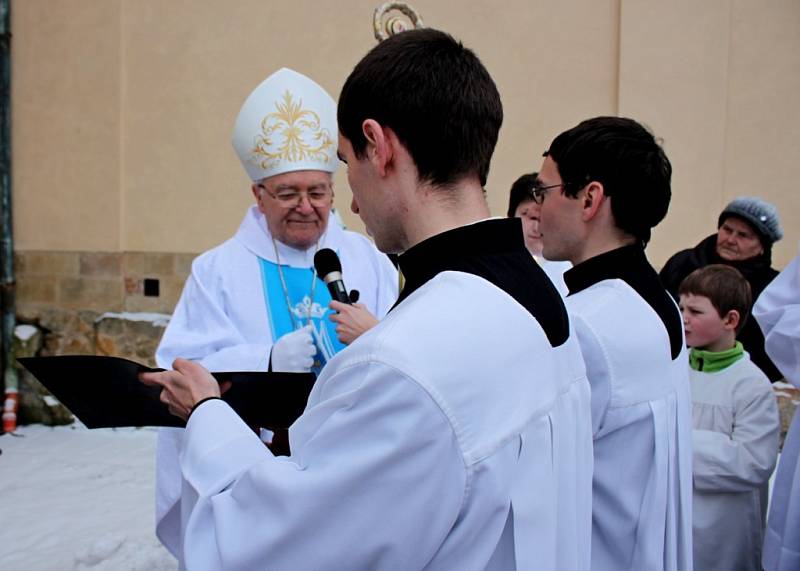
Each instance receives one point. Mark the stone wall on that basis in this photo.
(93, 303)
(65, 293)
(133, 336)
(98, 281)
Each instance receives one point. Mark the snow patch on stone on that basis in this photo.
(25, 332)
(157, 319)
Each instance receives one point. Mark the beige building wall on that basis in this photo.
(122, 109)
(716, 80)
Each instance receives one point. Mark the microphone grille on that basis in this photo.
(326, 261)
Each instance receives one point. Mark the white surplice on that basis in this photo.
(555, 271)
(222, 322)
(641, 417)
(777, 311)
(735, 444)
(450, 436)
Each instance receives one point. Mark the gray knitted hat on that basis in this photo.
(760, 214)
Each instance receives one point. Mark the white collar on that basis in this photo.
(254, 235)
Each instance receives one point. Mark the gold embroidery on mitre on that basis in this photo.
(291, 134)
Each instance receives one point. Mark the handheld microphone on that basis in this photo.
(329, 268)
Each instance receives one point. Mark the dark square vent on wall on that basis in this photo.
(151, 287)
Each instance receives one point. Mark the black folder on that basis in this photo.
(106, 392)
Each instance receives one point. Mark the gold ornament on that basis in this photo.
(299, 135)
(386, 25)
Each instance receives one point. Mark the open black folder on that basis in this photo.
(106, 392)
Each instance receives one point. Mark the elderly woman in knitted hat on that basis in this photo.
(746, 230)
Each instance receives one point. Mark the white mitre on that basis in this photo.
(288, 123)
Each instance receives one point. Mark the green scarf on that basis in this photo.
(711, 361)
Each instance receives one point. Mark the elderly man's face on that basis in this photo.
(297, 206)
(736, 240)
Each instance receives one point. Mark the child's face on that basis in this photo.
(704, 327)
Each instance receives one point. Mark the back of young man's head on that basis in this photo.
(627, 160)
(724, 286)
(435, 95)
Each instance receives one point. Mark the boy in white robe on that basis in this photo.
(455, 434)
(603, 186)
(735, 420)
(777, 311)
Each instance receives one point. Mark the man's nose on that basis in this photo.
(304, 206)
(354, 205)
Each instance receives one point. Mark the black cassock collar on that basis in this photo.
(630, 265)
(495, 251)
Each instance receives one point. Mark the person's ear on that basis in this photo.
(379, 149)
(258, 191)
(731, 320)
(593, 197)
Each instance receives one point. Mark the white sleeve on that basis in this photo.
(598, 371)
(744, 460)
(777, 311)
(201, 331)
(367, 465)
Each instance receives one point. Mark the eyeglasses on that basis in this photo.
(538, 191)
(317, 197)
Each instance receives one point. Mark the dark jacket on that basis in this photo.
(757, 271)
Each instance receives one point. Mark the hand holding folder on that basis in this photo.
(106, 392)
(185, 387)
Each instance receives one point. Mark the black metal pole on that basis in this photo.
(7, 284)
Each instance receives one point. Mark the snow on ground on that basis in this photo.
(73, 498)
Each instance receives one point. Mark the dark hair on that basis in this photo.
(627, 160)
(520, 192)
(435, 95)
(724, 286)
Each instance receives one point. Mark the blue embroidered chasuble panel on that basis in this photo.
(298, 286)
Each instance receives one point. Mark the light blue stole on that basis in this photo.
(298, 285)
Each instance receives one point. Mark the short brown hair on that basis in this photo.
(724, 286)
